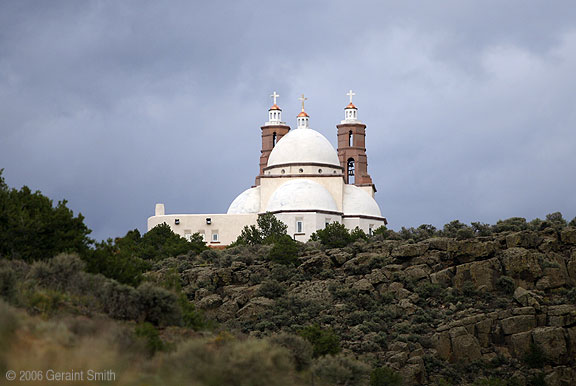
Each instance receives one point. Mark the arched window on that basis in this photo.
(350, 138)
(273, 139)
(351, 178)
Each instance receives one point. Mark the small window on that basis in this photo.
(370, 229)
(215, 238)
(320, 171)
(299, 226)
(351, 168)
(282, 171)
(301, 170)
(177, 221)
(350, 138)
(327, 222)
(274, 139)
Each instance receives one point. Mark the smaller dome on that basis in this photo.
(301, 194)
(359, 202)
(302, 114)
(274, 107)
(247, 202)
(351, 106)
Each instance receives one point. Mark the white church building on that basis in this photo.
(303, 181)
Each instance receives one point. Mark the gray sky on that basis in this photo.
(114, 106)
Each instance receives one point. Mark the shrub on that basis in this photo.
(341, 370)
(513, 224)
(284, 251)
(191, 317)
(324, 341)
(457, 229)
(535, 357)
(358, 234)
(57, 273)
(7, 283)
(385, 376)
(334, 235)
(300, 349)
(506, 284)
(271, 289)
(159, 306)
(149, 334)
(268, 231)
(120, 301)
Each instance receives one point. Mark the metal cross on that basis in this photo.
(274, 95)
(351, 94)
(302, 99)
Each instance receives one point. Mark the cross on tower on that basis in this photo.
(351, 94)
(302, 99)
(274, 95)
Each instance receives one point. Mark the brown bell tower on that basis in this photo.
(272, 132)
(352, 148)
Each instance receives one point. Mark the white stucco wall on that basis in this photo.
(311, 223)
(362, 223)
(227, 226)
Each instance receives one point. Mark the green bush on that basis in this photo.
(535, 357)
(334, 235)
(33, 228)
(268, 231)
(159, 306)
(300, 349)
(151, 337)
(120, 301)
(506, 284)
(324, 341)
(385, 376)
(284, 251)
(58, 273)
(271, 289)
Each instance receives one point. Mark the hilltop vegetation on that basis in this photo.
(467, 304)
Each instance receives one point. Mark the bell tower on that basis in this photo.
(352, 148)
(272, 132)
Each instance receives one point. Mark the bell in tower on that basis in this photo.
(352, 148)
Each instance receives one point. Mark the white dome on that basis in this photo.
(359, 202)
(303, 146)
(247, 202)
(301, 194)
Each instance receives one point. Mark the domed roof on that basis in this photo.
(357, 201)
(247, 202)
(301, 194)
(303, 114)
(303, 146)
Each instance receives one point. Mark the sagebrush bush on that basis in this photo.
(271, 289)
(385, 376)
(159, 306)
(340, 370)
(120, 301)
(300, 349)
(57, 273)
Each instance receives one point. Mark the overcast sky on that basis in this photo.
(470, 106)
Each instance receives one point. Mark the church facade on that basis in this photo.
(303, 181)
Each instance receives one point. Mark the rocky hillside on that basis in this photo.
(439, 311)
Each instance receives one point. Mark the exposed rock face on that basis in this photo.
(419, 308)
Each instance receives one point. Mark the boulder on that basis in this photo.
(443, 277)
(417, 272)
(254, 308)
(480, 273)
(527, 298)
(316, 263)
(465, 347)
(414, 372)
(209, 302)
(520, 343)
(562, 315)
(519, 323)
(465, 251)
(438, 243)
(375, 277)
(409, 250)
(363, 285)
(522, 265)
(524, 239)
(443, 345)
(551, 340)
(338, 256)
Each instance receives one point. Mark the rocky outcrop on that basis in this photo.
(422, 308)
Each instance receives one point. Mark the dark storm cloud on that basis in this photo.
(118, 105)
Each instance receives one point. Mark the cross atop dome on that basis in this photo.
(302, 118)
(274, 112)
(350, 111)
